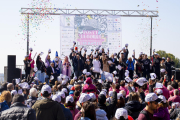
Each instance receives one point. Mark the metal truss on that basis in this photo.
(59, 11)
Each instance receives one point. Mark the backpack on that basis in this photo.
(146, 114)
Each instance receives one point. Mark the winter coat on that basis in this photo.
(134, 108)
(31, 101)
(101, 115)
(47, 109)
(89, 87)
(130, 64)
(108, 109)
(67, 113)
(18, 111)
(4, 106)
(162, 113)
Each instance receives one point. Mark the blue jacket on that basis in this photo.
(130, 64)
(4, 106)
(67, 113)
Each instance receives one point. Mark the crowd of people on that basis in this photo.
(97, 86)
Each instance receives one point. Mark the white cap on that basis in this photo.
(56, 59)
(74, 78)
(24, 85)
(128, 79)
(155, 54)
(14, 92)
(159, 91)
(141, 81)
(41, 53)
(26, 56)
(64, 90)
(100, 51)
(118, 67)
(109, 79)
(59, 79)
(85, 49)
(69, 99)
(110, 93)
(56, 98)
(20, 91)
(153, 76)
(64, 76)
(51, 77)
(35, 69)
(153, 50)
(49, 50)
(97, 48)
(87, 60)
(69, 87)
(163, 70)
(163, 99)
(36, 78)
(101, 72)
(123, 48)
(150, 97)
(64, 82)
(84, 97)
(107, 49)
(74, 42)
(163, 58)
(88, 73)
(84, 71)
(61, 94)
(30, 49)
(119, 95)
(93, 96)
(72, 48)
(126, 73)
(18, 81)
(121, 112)
(46, 88)
(114, 72)
(126, 45)
(103, 92)
(100, 81)
(159, 85)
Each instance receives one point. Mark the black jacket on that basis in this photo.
(134, 108)
(27, 66)
(109, 109)
(18, 111)
(76, 63)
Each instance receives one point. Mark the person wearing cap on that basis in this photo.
(122, 114)
(169, 64)
(47, 109)
(18, 110)
(27, 66)
(88, 65)
(162, 112)
(151, 101)
(78, 66)
(156, 65)
(51, 72)
(102, 101)
(146, 70)
(66, 67)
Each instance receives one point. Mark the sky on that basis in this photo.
(45, 34)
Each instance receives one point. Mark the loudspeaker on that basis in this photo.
(11, 61)
(13, 73)
(177, 75)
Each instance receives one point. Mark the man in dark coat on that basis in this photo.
(18, 110)
(78, 66)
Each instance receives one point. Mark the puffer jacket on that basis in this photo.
(31, 101)
(18, 111)
(101, 115)
(47, 109)
(89, 87)
(134, 108)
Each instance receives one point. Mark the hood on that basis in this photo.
(101, 114)
(88, 80)
(134, 106)
(45, 103)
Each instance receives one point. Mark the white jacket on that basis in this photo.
(96, 66)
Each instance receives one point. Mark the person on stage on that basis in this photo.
(66, 67)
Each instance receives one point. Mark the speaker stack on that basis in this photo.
(11, 72)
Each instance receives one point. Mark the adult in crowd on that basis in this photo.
(156, 65)
(176, 97)
(51, 72)
(18, 110)
(169, 64)
(78, 66)
(146, 67)
(46, 108)
(66, 67)
(33, 97)
(130, 64)
(5, 99)
(27, 66)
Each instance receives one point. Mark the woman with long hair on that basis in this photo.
(162, 112)
(66, 67)
(88, 111)
(70, 104)
(5, 98)
(105, 63)
(133, 106)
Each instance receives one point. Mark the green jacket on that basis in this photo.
(47, 109)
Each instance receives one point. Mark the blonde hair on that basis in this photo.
(6, 95)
